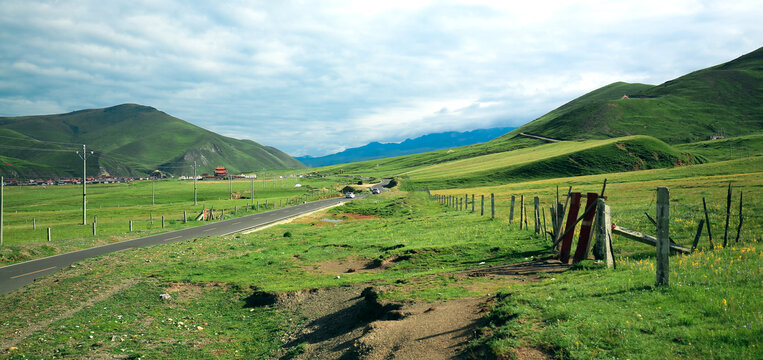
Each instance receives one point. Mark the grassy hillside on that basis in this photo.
(400, 164)
(726, 149)
(553, 160)
(483, 164)
(127, 139)
(723, 99)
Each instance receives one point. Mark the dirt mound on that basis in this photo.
(427, 331)
(351, 322)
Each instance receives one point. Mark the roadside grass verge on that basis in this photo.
(114, 205)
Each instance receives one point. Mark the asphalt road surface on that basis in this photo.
(17, 275)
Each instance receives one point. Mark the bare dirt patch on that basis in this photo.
(529, 353)
(428, 331)
(351, 323)
(343, 266)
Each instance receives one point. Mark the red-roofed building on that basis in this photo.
(221, 172)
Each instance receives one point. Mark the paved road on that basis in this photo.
(17, 275)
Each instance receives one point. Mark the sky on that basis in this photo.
(316, 77)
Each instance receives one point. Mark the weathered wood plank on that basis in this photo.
(644, 238)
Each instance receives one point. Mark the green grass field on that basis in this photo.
(109, 306)
(60, 208)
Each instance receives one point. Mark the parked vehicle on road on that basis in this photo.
(350, 195)
(375, 191)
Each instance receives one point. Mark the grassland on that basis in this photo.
(143, 202)
(109, 306)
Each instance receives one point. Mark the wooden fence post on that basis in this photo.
(162, 221)
(602, 247)
(482, 205)
(584, 240)
(34, 223)
(511, 209)
(739, 228)
(472, 202)
(49, 236)
(545, 232)
(552, 213)
(707, 223)
(185, 217)
(130, 222)
(728, 214)
(521, 211)
(663, 232)
(536, 205)
(699, 233)
(560, 211)
(564, 254)
(492, 206)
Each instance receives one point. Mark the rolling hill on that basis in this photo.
(726, 99)
(127, 139)
(425, 143)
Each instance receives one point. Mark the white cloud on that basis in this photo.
(316, 77)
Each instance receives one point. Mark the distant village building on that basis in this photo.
(220, 171)
(716, 137)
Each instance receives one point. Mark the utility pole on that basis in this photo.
(251, 196)
(194, 184)
(230, 185)
(84, 182)
(153, 183)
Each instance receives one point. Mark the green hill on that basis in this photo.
(128, 139)
(726, 99)
(553, 160)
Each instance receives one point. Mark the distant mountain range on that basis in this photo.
(127, 140)
(425, 143)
